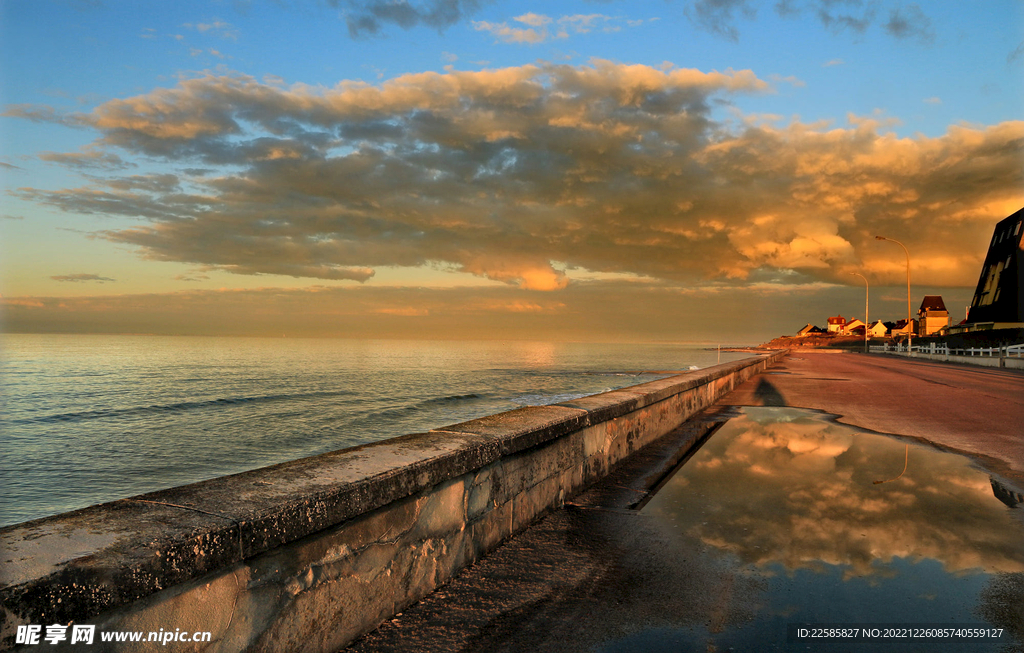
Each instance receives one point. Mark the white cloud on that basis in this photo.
(533, 20)
(540, 28)
(216, 27)
(506, 34)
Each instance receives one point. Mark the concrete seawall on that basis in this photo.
(309, 554)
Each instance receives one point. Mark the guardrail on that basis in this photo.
(1014, 351)
(1008, 356)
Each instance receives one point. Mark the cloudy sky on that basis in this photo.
(682, 170)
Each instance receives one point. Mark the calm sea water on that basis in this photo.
(88, 419)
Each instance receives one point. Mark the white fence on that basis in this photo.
(1010, 351)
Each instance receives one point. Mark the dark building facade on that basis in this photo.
(999, 299)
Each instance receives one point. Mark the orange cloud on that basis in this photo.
(407, 312)
(614, 168)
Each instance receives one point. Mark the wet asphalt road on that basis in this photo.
(968, 409)
(591, 576)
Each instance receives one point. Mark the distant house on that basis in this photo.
(854, 326)
(932, 317)
(809, 330)
(878, 329)
(899, 328)
(836, 324)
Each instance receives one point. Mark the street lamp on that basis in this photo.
(867, 321)
(910, 323)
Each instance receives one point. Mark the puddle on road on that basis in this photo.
(788, 500)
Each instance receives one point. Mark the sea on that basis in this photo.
(86, 419)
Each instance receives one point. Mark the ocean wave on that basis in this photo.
(434, 403)
(444, 401)
(178, 407)
(545, 400)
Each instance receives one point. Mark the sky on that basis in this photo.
(670, 170)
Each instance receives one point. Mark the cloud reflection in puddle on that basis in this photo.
(790, 496)
(794, 488)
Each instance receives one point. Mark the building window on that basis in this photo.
(1017, 228)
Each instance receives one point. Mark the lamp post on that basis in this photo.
(867, 321)
(910, 322)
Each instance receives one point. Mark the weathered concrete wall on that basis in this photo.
(308, 555)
